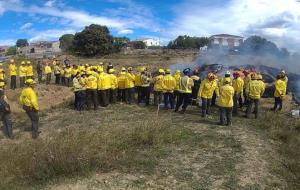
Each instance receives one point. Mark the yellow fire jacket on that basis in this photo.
(12, 70)
(22, 71)
(129, 82)
(29, 71)
(207, 89)
(280, 88)
(226, 96)
(255, 89)
(28, 98)
(238, 85)
(104, 81)
(158, 83)
(169, 83)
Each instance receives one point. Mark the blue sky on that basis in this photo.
(277, 20)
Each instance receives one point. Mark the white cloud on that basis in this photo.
(9, 42)
(125, 31)
(26, 26)
(49, 34)
(50, 3)
(274, 20)
(2, 10)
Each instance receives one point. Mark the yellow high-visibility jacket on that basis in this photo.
(177, 78)
(91, 82)
(169, 83)
(226, 96)
(238, 85)
(129, 82)
(29, 71)
(280, 88)
(74, 71)
(113, 81)
(81, 68)
(68, 72)
(138, 80)
(57, 70)
(158, 83)
(12, 70)
(28, 98)
(77, 85)
(255, 89)
(104, 81)
(48, 69)
(22, 71)
(2, 74)
(185, 85)
(247, 79)
(207, 89)
(121, 80)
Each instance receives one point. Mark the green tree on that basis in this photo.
(22, 43)
(138, 45)
(187, 42)
(67, 43)
(11, 51)
(119, 43)
(93, 40)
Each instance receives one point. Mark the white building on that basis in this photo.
(150, 41)
(38, 49)
(226, 40)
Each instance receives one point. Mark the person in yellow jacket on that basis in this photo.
(225, 102)
(68, 75)
(121, 85)
(177, 76)
(146, 79)
(255, 89)
(29, 101)
(284, 76)
(185, 91)
(74, 71)
(29, 70)
(113, 87)
(91, 90)
(22, 73)
(57, 73)
(79, 91)
(158, 87)
(129, 86)
(169, 84)
(48, 73)
(280, 92)
(138, 83)
(2, 77)
(208, 87)
(13, 74)
(104, 85)
(238, 85)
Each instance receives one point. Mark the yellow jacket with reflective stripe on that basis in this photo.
(12, 70)
(177, 78)
(255, 89)
(57, 70)
(130, 78)
(138, 80)
(280, 88)
(68, 72)
(238, 85)
(226, 96)
(185, 85)
(28, 98)
(169, 83)
(91, 82)
(48, 69)
(113, 81)
(121, 80)
(104, 82)
(29, 71)
(77, 85)
(22, 71)
(207, 89)
(74, 71)
(158, 83)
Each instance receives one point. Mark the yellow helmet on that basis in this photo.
(142, 69)
(161, 71)
(30, 81)
(111, 71)
(259, 77)
(123, 69)
(23, 63)
(28, 62)
(168, 71)
(89, 72)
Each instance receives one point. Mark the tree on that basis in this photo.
(137, 45)
(93, 40)
(22, 43)
(11, 51)
(67, 43)
(187, 42)
(119, 43)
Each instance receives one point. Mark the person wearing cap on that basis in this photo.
(138, 83)
(177, 76)
(2, 77)
(185, 91)
(113, 91)
(104, 85)
(13, 74)
(57, 73)
(280, 92)
(79, 91)
(158, 87)
(29, 101)
(5, 114)
(197, 82)
(129, 86)
(121, 85)
(238, 85)
(169, 84)
(68, 75)
(91, 90)
(29, 70)
(146, 79)
(254, 90)
(22, 73)
(284, 76)
(225, 102)
(48, 73)
(109, 66)
(206, 91)
(39, 70)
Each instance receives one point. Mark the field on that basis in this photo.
(133, 147)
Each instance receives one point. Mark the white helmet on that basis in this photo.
(283, 72)
(227, 73)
